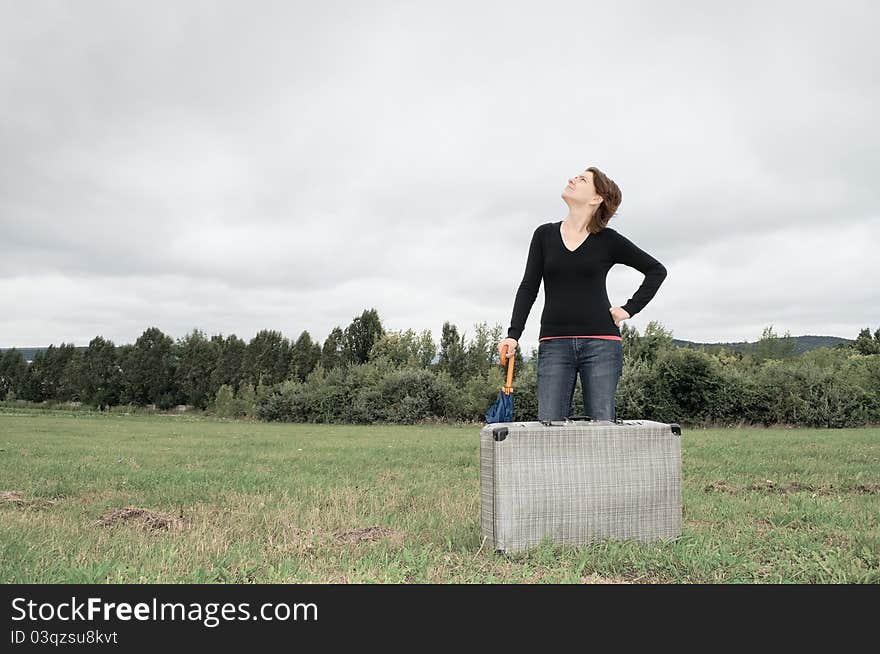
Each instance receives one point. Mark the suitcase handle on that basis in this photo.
(618, 421)
(562, 423)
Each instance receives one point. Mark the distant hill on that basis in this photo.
(802, 344)
(29, 352)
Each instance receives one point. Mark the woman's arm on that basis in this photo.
(528, 288)
(627, 253)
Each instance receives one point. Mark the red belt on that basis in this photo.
(611, 338)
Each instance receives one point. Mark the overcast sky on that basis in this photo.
(235, 166)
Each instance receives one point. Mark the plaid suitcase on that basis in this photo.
(578, 481)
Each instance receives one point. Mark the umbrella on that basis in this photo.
(502, 410)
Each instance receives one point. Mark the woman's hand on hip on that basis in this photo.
(618, 314)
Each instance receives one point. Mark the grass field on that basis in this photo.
(243, 502)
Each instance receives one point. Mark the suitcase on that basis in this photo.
(577, 481)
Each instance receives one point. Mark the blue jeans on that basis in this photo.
(599, 362)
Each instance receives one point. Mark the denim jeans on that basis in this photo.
(599, 361)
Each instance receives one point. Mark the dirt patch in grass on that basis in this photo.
(294, 539)
(144, 518)
(771, 486)
(15, 497)
(838, 540)
(767, 524)
(18, 499)
(370, 535)
(719, 487)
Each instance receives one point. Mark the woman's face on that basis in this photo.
(580, 189)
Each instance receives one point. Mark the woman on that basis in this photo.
(579, 328)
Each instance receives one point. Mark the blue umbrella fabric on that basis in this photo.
(502, 410)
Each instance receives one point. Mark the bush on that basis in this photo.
(226, 405)
(166, 401)
(685, 384)
(823, 388)
(776, 394)
(828, 397)
(247, 401)
(410, 395)
(631, 401)
(734, 400)
(366, 406)
(481, 392)
(292, 401)
(864, 373)
(332, 396)
(525, 391)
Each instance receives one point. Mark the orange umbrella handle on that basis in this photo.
(508, 389)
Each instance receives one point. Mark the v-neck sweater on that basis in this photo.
(575, 298)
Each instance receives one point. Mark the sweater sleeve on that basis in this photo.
(627, 253)
(528, 288)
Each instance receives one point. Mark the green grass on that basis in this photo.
(256, 502)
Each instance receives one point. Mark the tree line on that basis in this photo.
(159, 370)
(366, 374)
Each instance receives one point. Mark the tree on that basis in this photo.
(34, 386)
(333, 352)
(656, 338)
(631, 342)
(482, 351)
(229, 368)
(47, 377)
(647, 346)
(70, 382)
(148, 370)
(101, 377)
(316, 357)
(399, 347)
(197, 359)
(304, 356)
(13, 370)
(864, 344)
(427, 349)
(772, 346)
(453, 358)
(360, 336)
(267, 358)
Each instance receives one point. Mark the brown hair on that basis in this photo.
(611, 197)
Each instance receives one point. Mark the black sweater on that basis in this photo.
(575, 299)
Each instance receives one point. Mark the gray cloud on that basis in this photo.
(285, 165)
